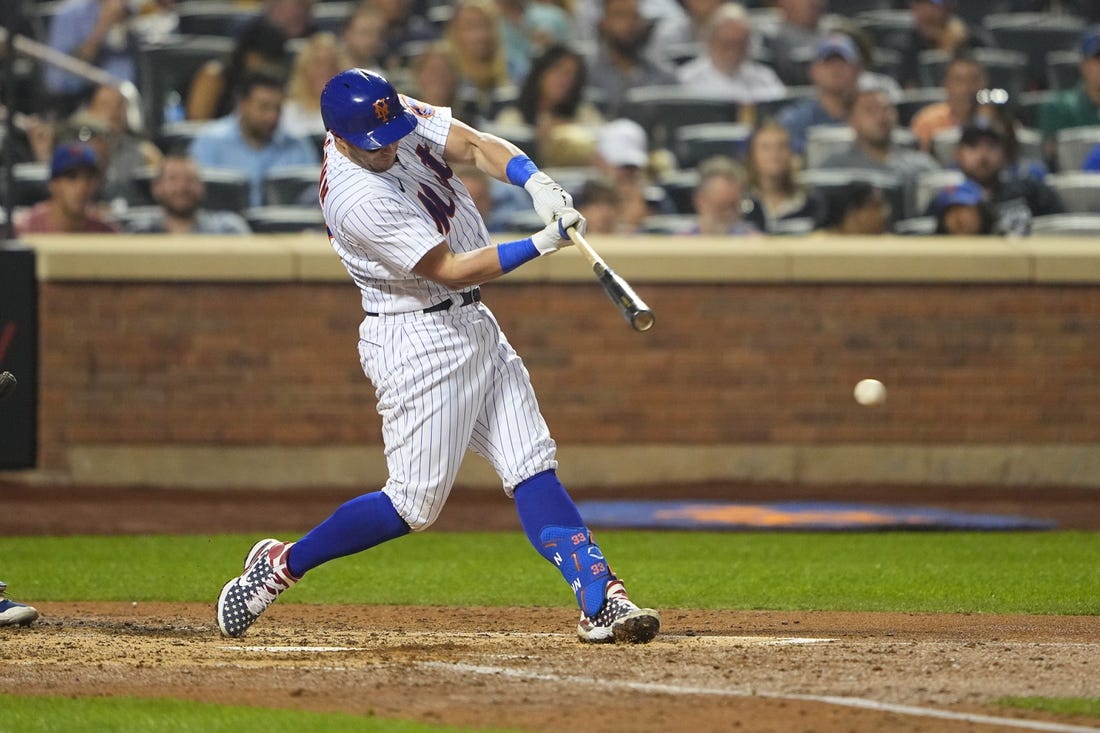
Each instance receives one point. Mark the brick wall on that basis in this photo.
(276, 364)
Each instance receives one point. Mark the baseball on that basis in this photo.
(869, 392)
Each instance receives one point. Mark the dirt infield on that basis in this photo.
(523, 667)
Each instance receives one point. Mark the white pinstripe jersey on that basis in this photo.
(382, 224)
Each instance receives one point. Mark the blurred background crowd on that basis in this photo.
(792, 117)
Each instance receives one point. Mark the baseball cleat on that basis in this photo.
(620, 620)
(14, 614)
(245, 597)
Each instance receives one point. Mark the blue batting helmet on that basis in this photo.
(364, 109)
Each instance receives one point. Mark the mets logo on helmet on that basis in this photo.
(382, 109)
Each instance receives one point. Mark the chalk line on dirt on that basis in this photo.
(852, 702)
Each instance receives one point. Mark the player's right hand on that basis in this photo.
(553, 237)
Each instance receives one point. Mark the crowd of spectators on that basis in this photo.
(860, 117)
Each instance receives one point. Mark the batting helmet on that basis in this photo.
(364, 109)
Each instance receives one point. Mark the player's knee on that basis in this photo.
(417, 514)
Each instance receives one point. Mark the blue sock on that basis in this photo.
(555, 528)
(358, 525)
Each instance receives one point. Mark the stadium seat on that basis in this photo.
(1035, 34)
(1006, 69)
(795, 226)
(888, 28)
(975, 12)
(929, 184)
(693, 144)
(292, 185)
(1063, 70)
(284, 219)
(177, 136)
(662, 109)
(914, 100)
(1074, 145)
(678, 54)
(1080, 192)
(30, 183)
(765, 111)
(679, 186)
(854, 7)
(332, 16)
(944, 143)
(885, 61)
(214, 17)
(669, 224)
(1070, 224)
(916, 226)
(1027, 106)
(824, 141)
(823, 179)
(571, 178)
(168, 67)
(226, 190)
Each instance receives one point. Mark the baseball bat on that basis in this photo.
(633, 308)
(7, 384)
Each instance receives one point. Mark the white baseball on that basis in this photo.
(870, 392)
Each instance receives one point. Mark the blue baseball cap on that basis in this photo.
(71, 157)
(966, 193)
(1090, 42)
(838, 44)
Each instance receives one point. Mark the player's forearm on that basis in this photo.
(458, 270)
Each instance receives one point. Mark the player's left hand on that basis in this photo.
(549, 198)
(554, 236)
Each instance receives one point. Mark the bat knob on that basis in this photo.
(642, 320)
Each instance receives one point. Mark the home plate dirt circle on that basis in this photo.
(522, 668)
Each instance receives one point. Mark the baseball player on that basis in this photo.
(446, 378)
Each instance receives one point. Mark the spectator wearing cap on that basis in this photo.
(251, 140)
(835, 73)
(936, 27)
(983, 155)
(873, 118)
(1077, 107)
(963, 210)
(75, 178)
(179, 193)
(724, 70)
(963, 78)
(622, 157)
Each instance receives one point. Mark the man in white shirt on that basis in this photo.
(725, 71)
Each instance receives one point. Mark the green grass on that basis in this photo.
(126, 715)
(1089, 706)
(1013, 572)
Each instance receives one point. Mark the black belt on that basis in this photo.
(468, 297)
